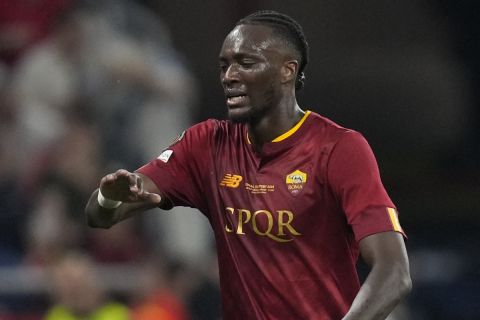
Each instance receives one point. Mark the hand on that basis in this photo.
(126, 187)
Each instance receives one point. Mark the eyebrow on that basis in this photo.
(238, 56)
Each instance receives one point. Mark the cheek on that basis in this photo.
(264, 95)
(266, 80)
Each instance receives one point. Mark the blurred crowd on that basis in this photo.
(86, 88)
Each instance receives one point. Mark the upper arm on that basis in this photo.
(389, 275)
(180, 176)
(355, 180)
(385, 249)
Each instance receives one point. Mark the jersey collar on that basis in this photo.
(293, 129)
(290, 132)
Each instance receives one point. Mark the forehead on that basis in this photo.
(250, 39)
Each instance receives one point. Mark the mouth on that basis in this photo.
(235, 97)
(236, 100)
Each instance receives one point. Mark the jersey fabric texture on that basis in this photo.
(287, 223)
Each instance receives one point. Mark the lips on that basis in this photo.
(235, 97)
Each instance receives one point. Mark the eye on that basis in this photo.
(247, 63)
(223, 66)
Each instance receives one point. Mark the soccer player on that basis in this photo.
(292, 197)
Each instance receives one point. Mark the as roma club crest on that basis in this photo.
(296, 181)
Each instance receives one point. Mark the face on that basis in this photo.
(251, 60)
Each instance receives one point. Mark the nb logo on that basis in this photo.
(231, 180)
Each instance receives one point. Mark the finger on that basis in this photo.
(108, 179)
(122, 173)
(133, 198)
(154, 198)
(139, 185)
(133, 182)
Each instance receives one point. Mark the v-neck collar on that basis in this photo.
(284, 140)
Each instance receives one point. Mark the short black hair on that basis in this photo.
(290, 30)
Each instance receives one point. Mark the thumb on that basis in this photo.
(152, 197)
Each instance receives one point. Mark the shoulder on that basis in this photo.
(215, 126)
(208, 134)
(214, 129)
(200, 131)
(209, 125)
(329, 131)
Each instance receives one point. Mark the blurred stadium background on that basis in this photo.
(87, 87)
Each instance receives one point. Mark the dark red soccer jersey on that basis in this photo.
(287, 223)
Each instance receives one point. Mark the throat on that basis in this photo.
(269, 129)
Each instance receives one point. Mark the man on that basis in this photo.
(77, 293)
(292, 197)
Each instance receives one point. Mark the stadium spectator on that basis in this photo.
(164, 288)
(77, 292)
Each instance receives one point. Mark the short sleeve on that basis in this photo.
(180, 171)
(355, 179)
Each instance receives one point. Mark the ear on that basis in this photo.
(289, 71)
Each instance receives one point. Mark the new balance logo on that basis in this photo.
(231, 180)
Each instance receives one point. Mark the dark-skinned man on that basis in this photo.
(292, 197)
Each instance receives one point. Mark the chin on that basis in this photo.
(237, 116)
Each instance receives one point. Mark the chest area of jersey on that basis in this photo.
(279, 182)
(277, 200)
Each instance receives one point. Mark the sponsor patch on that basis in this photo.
(165, 155)
(259, 188)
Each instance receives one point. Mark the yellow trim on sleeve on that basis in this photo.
(394, 219)
(292, 130)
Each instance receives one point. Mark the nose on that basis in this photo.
(230, 75)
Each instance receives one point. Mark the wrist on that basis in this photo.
(106, 202)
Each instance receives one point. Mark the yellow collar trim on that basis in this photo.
(292, 130)
(289, 132)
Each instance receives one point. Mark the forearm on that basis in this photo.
(100, 217)
(383, 289)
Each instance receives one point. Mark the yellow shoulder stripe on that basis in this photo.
(394, 219)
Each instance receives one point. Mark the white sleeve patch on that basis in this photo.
(165, 155)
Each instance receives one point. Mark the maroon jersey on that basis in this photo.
(287, 222)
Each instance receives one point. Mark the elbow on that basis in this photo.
(409, 285)
(398, 277)
(404, 284)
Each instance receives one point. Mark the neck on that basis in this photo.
(275, 123)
